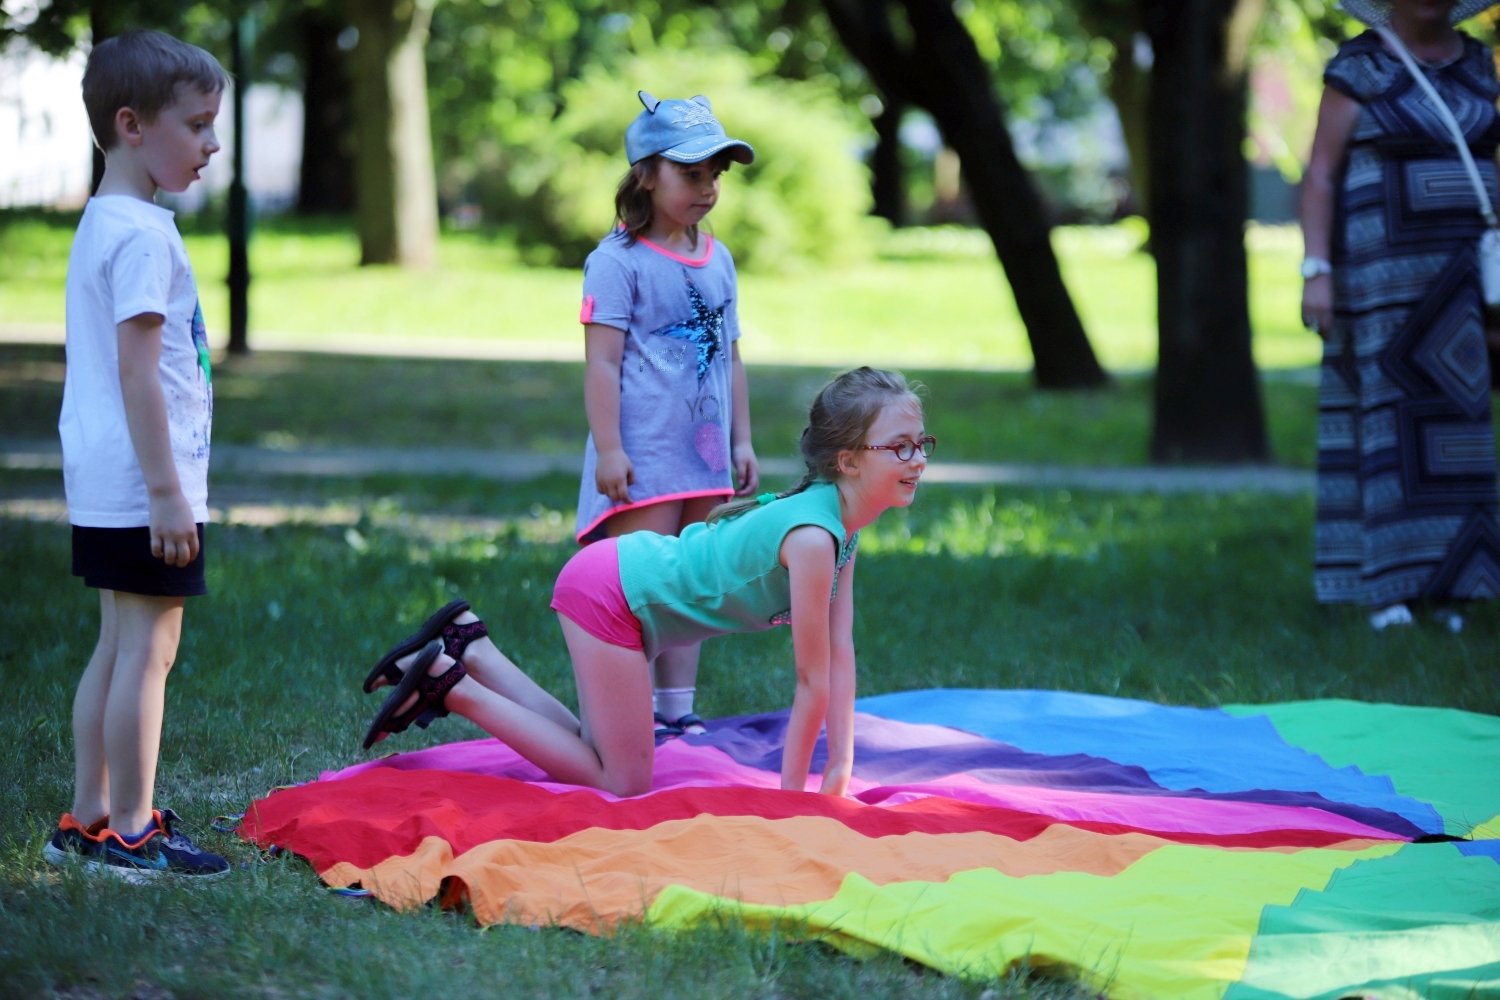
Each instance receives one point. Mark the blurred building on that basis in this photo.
(45, 157)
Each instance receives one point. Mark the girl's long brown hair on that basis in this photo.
(838, 421)
(633, 208)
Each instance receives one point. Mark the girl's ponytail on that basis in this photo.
(838, 421)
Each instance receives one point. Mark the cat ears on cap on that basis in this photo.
(652, 103)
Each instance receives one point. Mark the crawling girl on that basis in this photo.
(757, 563)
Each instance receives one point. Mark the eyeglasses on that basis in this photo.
(906, 449)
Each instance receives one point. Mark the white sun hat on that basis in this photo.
(1377, 13)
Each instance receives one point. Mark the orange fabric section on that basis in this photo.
(595, 878)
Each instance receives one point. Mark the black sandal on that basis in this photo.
(456, 639)
(430, 691)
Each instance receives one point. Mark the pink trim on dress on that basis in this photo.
(586, 314)
(689, 495)
(708, 254)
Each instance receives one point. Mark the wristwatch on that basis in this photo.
(1314, 266)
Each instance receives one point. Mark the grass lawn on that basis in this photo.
(1191, 600)
(931, 300)
(315, 400)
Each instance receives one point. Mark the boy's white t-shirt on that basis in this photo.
(128, 259)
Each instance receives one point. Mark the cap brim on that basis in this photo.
(697, 150)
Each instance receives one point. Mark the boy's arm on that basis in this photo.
(746, 467)
(603, 349)
(174, 533)
(841, 685)
(809, 556)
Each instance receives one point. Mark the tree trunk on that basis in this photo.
(100, 28)
(396, 188)
(936, 65)
(326, 183)
(888, 178)
(1208, 406)
(1129, 91)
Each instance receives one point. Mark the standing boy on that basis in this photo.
(137, 408)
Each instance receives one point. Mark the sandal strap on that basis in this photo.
(456, 638)
(433, 691)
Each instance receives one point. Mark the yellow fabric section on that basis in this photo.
(1177, 923)
(1488, 830)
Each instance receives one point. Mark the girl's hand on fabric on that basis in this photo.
(1317, 305)
(174, 533)
(746, 470)
(614, 475)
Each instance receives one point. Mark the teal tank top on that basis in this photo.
(725, 577)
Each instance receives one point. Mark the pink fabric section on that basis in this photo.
(588, 591)
(708, 254)
(586, 314)
(689, 495)
(681, 765)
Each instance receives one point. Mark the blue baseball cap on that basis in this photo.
(683, 131)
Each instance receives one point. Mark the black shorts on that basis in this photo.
(121, 559)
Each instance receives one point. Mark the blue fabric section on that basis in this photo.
(1180, 748)
(1480, 848)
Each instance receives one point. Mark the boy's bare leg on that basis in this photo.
(495, 671)
(90, 769)
(148, 630)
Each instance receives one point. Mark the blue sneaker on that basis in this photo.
(72, 842)
(159, 851)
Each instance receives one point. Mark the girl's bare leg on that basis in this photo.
(615, 748)
(494, 670)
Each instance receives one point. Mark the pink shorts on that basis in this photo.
(589, 593)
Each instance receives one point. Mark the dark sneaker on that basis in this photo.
(73, 842)
(160, 851)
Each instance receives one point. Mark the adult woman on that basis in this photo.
(1406, 451)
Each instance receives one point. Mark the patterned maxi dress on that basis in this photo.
(1406, 449)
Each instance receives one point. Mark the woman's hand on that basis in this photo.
(1317, 305)
(614, 475)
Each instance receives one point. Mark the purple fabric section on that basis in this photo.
(888, 753)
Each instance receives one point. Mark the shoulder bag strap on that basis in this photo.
(1446, 115)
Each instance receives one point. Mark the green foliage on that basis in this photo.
(803, 200)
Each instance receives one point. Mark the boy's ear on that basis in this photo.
(128, 127)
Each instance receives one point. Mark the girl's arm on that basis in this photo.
(746, 468)
(603, 347)
(808, 553)
(1337, 116)
(841, 684)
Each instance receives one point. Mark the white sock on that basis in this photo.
(673, 703)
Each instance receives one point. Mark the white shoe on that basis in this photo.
(1449, 619)
(1395, 614)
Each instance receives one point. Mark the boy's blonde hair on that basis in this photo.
(140, 70)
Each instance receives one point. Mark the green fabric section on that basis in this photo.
(719, 578)
(1422, 922)
(1177, 923)
(1442, 756)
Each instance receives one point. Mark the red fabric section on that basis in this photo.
(387, 812)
